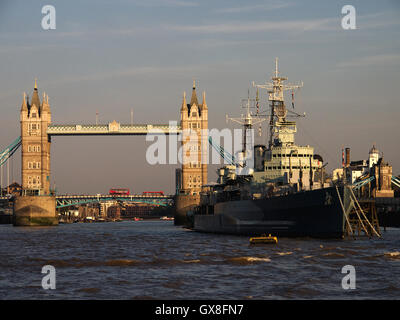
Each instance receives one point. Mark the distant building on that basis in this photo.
(383, 180)
(374, 166)
(89, 211)
(337, 174)
(13, 189)
(137, 210)
(358, 168)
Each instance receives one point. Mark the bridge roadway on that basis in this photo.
(109, 196)
(112, 128)
(70, 200)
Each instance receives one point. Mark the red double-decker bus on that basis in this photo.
(119, 192)
(153, 193)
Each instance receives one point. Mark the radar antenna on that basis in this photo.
(278, 123)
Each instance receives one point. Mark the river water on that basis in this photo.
(157, 260)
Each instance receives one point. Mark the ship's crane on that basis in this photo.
(224, 154)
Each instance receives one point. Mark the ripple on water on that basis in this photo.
(392, 255)
(247, 260)
(89, 290)
(284, 253)
(333, 255)
(173, 284)
(122, 262)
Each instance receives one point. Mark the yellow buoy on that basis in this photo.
(264, 239)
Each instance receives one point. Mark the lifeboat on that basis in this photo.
(264, 239)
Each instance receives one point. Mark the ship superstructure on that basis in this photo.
(282, 160)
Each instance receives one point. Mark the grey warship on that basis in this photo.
(285, 193)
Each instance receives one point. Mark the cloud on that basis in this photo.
(165, 3)
(364, 22)
(257, 7)
(377, 20)
(140, 71)
(368, 61)
(261, 26)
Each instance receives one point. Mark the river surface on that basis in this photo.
(157, 260)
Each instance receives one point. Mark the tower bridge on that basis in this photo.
(37, 203)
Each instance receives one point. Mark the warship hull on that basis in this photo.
(314, 213)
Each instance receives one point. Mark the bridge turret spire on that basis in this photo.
(194, 100)
(204, 105)
(24, 106)
(45, 103)
(184, 105)
(35, 96)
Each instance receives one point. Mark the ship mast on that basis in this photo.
(248, 121)
(279, 127)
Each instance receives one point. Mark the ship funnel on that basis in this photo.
(347, 163)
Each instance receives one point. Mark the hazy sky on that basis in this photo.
(112, 56)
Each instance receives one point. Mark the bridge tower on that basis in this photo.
(194, 124)
(36, 206)
(35, 116)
